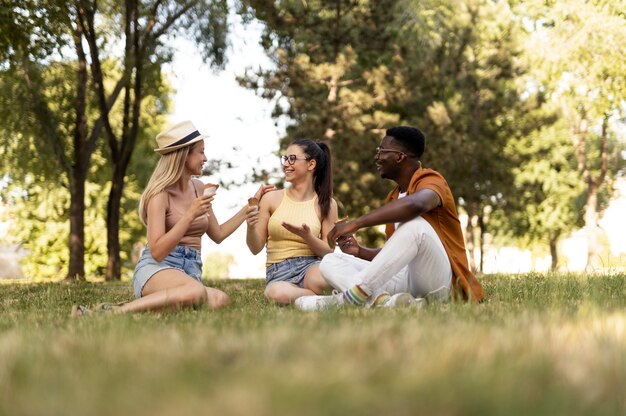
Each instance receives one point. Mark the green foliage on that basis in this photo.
(578, 81)
(485, 80)
(466, 93)
(25, 142)
(329, 81)
(39, 225)
(548, 194)
(353, 69)
(540, 345)
(33, 29)
(73, 73)
(37, 199)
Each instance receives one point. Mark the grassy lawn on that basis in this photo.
(541, 344)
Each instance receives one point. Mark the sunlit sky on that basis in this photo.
(234, 118)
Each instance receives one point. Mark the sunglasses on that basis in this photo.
(380, 150)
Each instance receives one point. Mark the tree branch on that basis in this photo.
(168, 23)
(86, 20)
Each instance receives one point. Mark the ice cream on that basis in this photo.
(210, 188)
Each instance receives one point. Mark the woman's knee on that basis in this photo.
(193, 294)
(277, 294)
(317, 286)
(315, 282)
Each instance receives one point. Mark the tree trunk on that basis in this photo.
(579, 129)
(471, 241)
(554, 259)
(591, 228)
(130, 129)
(481, 229)
(76, 269)
(114, 263)
(78, 172)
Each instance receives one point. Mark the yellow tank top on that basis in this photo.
(283, 244)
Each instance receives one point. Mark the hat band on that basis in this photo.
(185, 139)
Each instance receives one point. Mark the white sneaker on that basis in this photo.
(404, 300)
(438, 295)
(318, 303)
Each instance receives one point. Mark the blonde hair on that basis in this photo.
(168, 171)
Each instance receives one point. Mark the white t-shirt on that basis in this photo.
(400, 196)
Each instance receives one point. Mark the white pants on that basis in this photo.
(413, 260)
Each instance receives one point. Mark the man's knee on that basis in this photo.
(417, 224)
(330, 263)
(329, 266)
(415, 231)
(332, 269)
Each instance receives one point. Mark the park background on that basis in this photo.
(523, 106)
(522, 118)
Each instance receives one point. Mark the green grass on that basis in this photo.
(541, 344)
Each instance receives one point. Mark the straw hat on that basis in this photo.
(179, 135)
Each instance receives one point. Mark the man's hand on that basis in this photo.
(341, 229)
(349, 245)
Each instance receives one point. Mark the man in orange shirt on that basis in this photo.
(424, 255)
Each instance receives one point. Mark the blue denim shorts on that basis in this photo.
(186, 259)
(290, 270)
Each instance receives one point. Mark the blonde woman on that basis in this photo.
(177, 213)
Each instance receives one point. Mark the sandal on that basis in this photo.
(107, 307)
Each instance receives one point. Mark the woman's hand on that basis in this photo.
(252, 215)
(263, 189)
(302, 232)
(200, 206)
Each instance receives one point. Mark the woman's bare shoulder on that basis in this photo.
(272, 198)
(160, 197)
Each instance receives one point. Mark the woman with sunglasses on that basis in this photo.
(293, 223)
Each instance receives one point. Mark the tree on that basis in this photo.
(35, 191)
(548, 193)
(82, 36)
(465, 67)
(350, 69)
(580, 61)
(331, 60)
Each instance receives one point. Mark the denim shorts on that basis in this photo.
(290, 270)
(186, 259)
